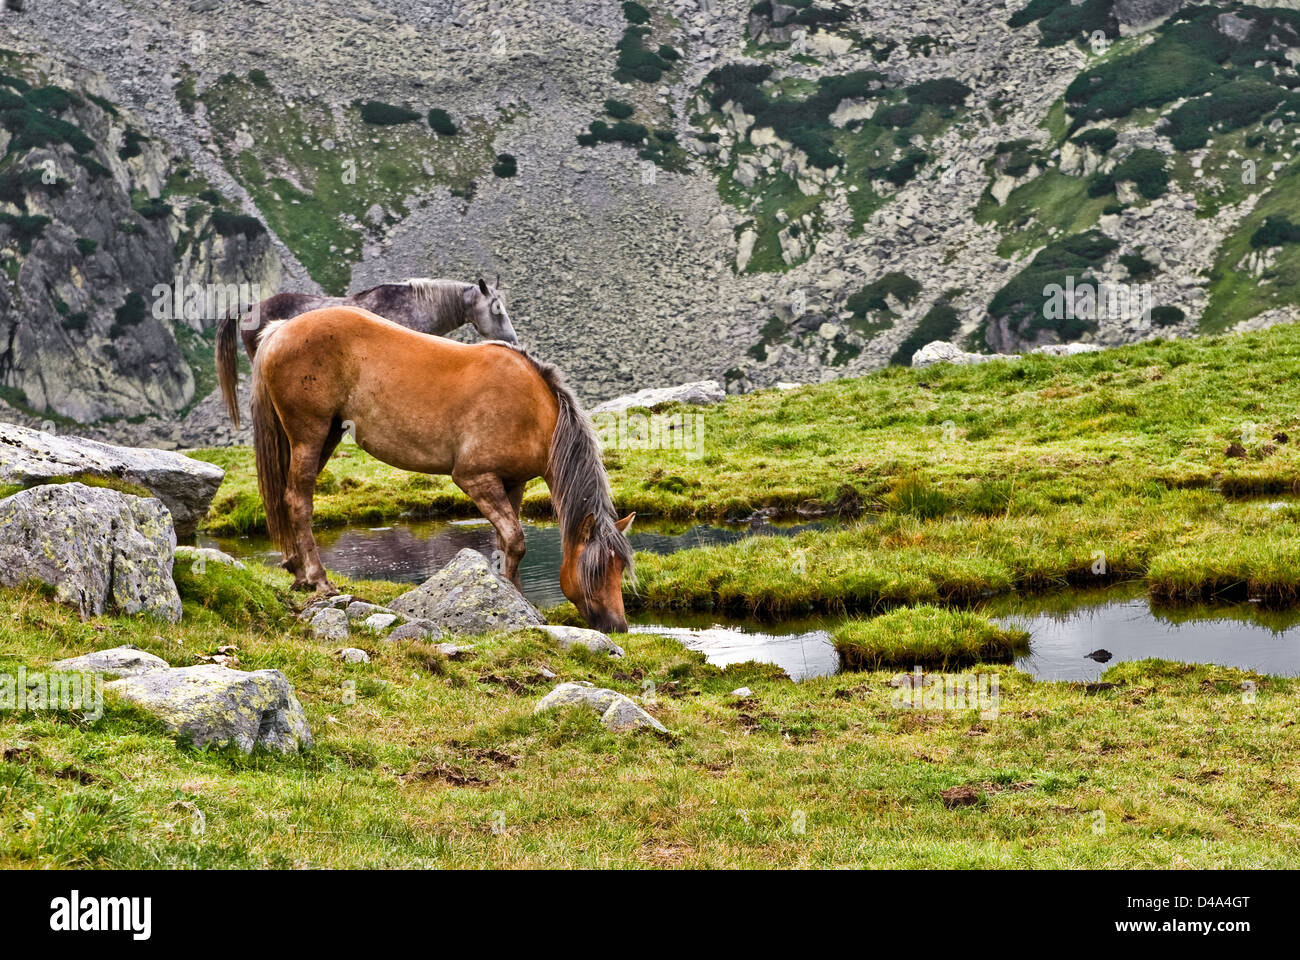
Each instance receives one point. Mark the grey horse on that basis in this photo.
(427, 306)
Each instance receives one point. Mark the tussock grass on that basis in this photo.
(926, 636)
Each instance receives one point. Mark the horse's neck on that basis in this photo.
(441, 313)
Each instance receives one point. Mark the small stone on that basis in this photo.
(330, 624)
(568, 637)
(617, 711)
(379, 622)
(418, 629)
(354, 655)
(742, 692)
(359, 610)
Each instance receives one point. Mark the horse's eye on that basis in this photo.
(496, 307)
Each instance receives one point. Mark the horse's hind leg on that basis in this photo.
(292, 560)
(500, 508)
(305, 462)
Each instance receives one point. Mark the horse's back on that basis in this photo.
(427, 392)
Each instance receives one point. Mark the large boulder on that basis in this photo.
(701, 392)
(101, 550)
(468, 596)
(211, 704)
(205, 704)
(185, 486)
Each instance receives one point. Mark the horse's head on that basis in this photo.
(485, 307)
(592, 573)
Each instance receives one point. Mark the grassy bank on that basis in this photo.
(442, 763)
(926, 636)
(955, 481)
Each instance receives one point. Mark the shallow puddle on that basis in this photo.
(1064, 627)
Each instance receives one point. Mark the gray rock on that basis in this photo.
(701, 392)
(184, 485)
(939, 351)
(354, 655)
(568, 637)
(468, 597)
(617, 712)
(101, 550)
(415, 630)
(198, 556)
(359, 610)
(125, 661)
(215, 705)
(1140, 13)
(337, 602)
(379, 622)
(330, 623)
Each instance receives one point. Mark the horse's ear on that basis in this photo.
(584, 529)
(483, 287)
(625, 524)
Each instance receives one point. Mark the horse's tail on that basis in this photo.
(271, 448)
(227, 364)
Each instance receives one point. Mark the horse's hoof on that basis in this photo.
(326, 589)
(302, 586)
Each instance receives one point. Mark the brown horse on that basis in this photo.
(429, 306)
(488, 414)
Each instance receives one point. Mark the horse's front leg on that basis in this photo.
(490, 496)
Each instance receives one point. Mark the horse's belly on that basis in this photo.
(413, 456)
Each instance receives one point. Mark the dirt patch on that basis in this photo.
(444, 773)
(77, 776)
(486, 754)
(671, 854)
(968, 794)
(16, 752)
(962, 796)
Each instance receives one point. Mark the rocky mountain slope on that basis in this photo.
(670, 190)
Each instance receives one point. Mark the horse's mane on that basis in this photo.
(436, 292)
(579, 484)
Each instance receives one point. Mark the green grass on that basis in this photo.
(952, 481)
(926, 636)
(441, 763)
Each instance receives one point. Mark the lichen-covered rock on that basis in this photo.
(125, 661)
(330, 623)
(215, 705)
(197, 557)
(418, 629)
(185, 486)
(354, 655)
(618, 712)
(568, 637)
(101, 550)
(467, 596)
